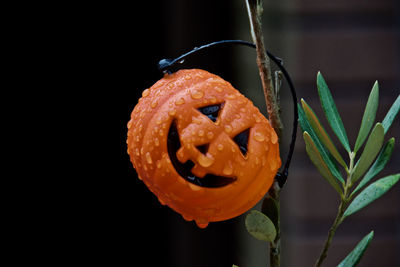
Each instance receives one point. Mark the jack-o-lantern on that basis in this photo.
(202, 147)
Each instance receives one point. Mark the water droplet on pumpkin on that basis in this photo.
(161, 133)
(154, 104)
(220, 147)
(201, 133)
(210, 135)
(188, 77)
(257, 160)
(243, 110)
(218, 89)
(172, 112)
(187, 218)
(231, 96)
(204, 161)
(145, 92)
(197, 94)
(161, 201)
(201, 223)
(274, 138)
(257, 118)
(259, 136)
(266, 147)
(137, 152)
(272, 164)
(148, 158)
(180, 101)
(228, 128)
(180, 154)
(194, 187)
(213, 100)
(156, 141)
(228, 169)
(158, 164)
(159, 121)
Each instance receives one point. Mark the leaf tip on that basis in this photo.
(380, 126)
(303, 103)
(371, 234)
(375, 88)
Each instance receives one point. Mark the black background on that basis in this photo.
(106, 55)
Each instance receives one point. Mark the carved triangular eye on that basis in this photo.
(212, 111)
(242, 140)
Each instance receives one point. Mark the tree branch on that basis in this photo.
(254, 10)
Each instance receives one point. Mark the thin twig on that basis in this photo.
(331, 233)
(344, 202)
(254, 10)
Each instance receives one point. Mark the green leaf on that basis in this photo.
(378, 165)
(270, 208)
(260, 226)
(331, 113)
(326, 156)
(371, 193)
(372, 148)
(321, 133)
(316, 158)
(394, 109)
(368, 117)
(356, 254)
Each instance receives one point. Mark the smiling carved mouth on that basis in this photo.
(184, 169)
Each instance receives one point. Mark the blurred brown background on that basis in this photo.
(353, 43)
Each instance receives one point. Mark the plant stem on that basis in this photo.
(344, 200)
(254, 10)
(275, 246)
(331, 233)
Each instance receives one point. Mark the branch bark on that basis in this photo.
(254, 10)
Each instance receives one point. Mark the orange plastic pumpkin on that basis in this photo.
(202, 147)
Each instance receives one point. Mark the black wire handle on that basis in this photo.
(281, 177)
